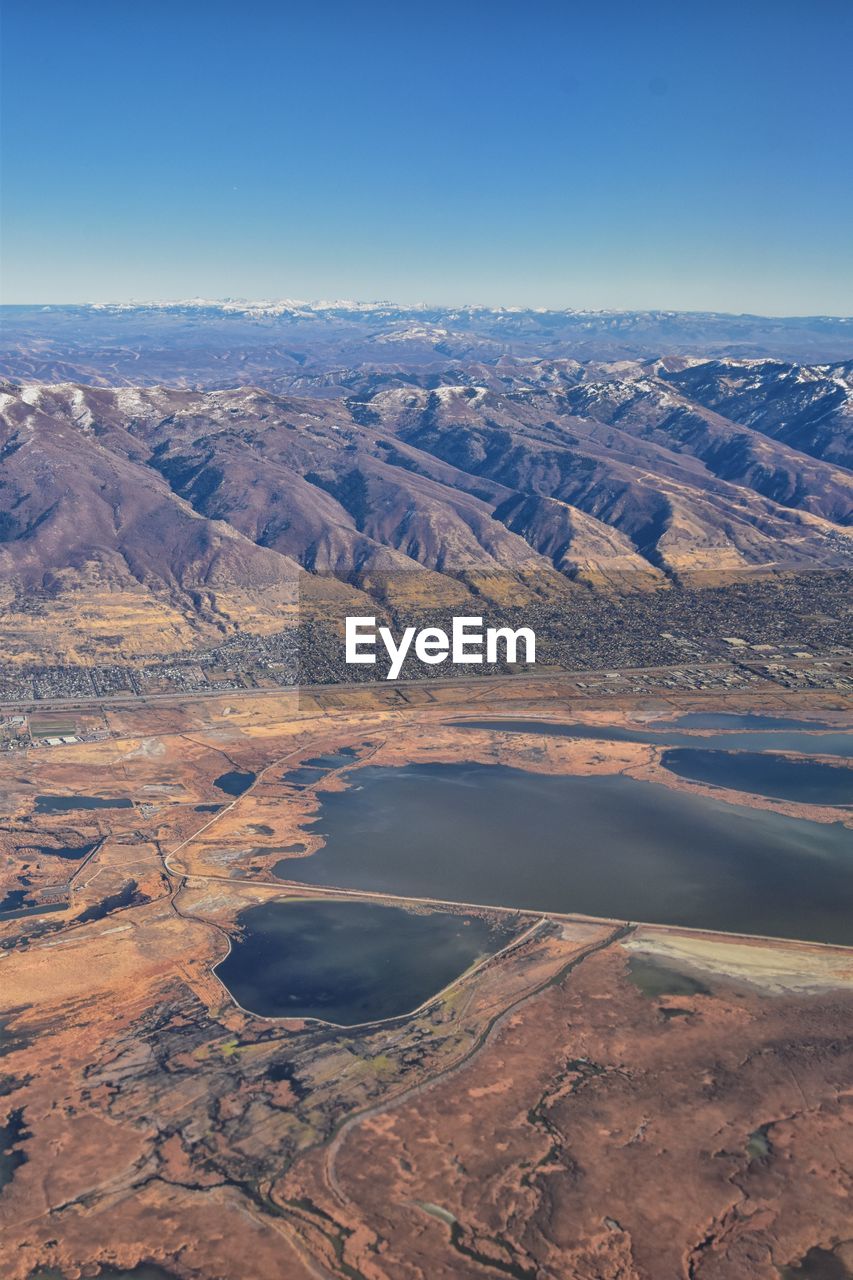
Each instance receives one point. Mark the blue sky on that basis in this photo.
(692, 156)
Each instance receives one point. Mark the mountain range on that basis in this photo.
(149, 518)
(308, 348)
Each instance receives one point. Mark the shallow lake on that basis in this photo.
(22, 912)
(604, 845)
(804, 781)
(654, 978)
(113, 902)
(145, 1271)
(734, 720)
(13, 900)
(62, 804)
(71, 853)
(349, 962)
(334, 759)
(832, 743)
(234, 783)
(304, 776)
(13, 1135)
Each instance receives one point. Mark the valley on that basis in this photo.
(426, 642)
(528, 970)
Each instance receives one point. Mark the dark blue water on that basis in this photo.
(14, 899)
(734, 720)
(349, 962)
(62, 804)
(234, 783)
(13, 1135)
(764, 774)
(113, 902)
(607, 846)
(303, 776)
(72, 853)
(145, 1271)
(22, 912)
(833, 743)
(318, 767)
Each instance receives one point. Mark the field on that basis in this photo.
(44, 725)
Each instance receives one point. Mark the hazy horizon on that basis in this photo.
(318, 303)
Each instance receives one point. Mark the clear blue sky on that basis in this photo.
(623, 155)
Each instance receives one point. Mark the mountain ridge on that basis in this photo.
(274, 344)
(204, 513)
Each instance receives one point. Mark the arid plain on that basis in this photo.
(595, 1098)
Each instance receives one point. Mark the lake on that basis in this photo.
(304, 776)
(63, 804)
(836, 742)
(803, 781)
(22, 912)
(71, 853)
(735, 720)
(604, 845)
(234, 783)
(349, 962)
(13, 1134)
(145, 1271)
(113, 902)
(311, 771)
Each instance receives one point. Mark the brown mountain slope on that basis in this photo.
(147, 520)
(677, 513)
(807, 406)
(651, 410)
(95, 546)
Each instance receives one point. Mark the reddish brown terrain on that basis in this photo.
(521, 946)
(599, 1100)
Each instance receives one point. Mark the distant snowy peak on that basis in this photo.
(386, 308)
(236, 307)
(338, 307)
(215, 343)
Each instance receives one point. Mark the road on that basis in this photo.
(26, 705)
